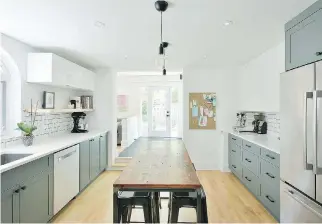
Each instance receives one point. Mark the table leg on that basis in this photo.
(116, 217)
(199, 210)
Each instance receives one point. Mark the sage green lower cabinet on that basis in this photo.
(258, 169)
(84, 164)
(103, 152)
(94, 158)
(30, 197)
(9, 206)
(36, 199)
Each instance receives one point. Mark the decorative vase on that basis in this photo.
(28, 139)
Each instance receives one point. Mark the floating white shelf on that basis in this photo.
(52, 111)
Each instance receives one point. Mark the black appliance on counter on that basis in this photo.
(259, 125)
(76, 117)
(262, 127)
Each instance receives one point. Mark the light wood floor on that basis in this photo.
(227, 201)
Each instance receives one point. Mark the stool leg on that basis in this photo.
(174, 213)
(170, 207)
(156, 207)
(120, 212)
(147, 213)
(124, 214)
(129, 213)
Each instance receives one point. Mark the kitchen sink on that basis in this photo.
(8, 158)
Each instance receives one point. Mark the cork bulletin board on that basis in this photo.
(202, 111)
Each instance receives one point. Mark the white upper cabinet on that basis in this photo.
(50, 69)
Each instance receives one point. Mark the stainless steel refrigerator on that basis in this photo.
(301, 144)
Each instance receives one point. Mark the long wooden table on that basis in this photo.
(159, 166)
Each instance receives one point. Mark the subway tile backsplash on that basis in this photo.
(47, 125)
(273, 123)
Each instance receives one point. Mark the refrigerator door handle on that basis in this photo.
(307, 166)
(316, 169)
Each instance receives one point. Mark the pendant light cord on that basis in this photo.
(162, 41)
(161, 30)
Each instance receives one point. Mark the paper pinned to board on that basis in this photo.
(203, 121)
(194, 111)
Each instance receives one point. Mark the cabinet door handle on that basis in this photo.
(248, 179)
(269, 156)
(234, 139)
(270, 175)
(233, 150)
(248, 160)
(270, 199)
(319, 53)
(248, 146)
(17, 191)
(23, 188)
(234, 166)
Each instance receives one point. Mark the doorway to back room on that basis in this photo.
(149, 106)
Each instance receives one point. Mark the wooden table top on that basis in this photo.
(160, 164)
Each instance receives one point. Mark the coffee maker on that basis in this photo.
(76, 117)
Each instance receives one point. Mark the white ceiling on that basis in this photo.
(130, 39)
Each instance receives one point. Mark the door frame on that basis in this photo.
(167, 132)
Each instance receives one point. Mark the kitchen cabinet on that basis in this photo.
(51, 69)
(258, 169)
(30, 195)
(9, 206)
(36, 199)
(103, 152)
(84, 164)
(303, 37)
(94, 158)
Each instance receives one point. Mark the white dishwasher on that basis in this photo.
(66, 176)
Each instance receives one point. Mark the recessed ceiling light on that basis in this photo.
(125, 57)
(205, 57)
(99, 24)
(228, 23)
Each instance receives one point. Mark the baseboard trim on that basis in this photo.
(115, 168)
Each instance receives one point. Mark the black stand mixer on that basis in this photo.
(76, 117)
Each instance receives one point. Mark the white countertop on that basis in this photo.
(44, 146)
(265, 141)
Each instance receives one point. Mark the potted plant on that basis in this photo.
(27, 129)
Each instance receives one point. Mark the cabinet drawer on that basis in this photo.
(235, 166)
(271, 199)
(235, 150)
(251, 181)
(269, 173)
(270, 156)
(251, 147)
(235, 140)
(250, 161)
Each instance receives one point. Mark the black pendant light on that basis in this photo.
(162, 6)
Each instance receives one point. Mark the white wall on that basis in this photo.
(206, 147)
(104, 115)
(27, 91)
(258, 86)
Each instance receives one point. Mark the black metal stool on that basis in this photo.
(187, 200)
(128, 199)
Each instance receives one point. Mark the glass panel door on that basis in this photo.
(159, 112)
